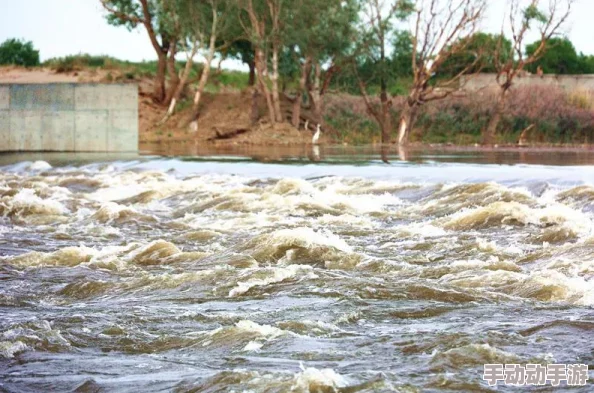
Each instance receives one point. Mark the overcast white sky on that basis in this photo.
(63, 27)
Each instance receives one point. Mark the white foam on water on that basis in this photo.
(265, 331)
(37, 333)
(8, 349)
(279, 274)
(40, 166)
(28, 201)
(311, 379)
(153, 253)
(355, 221)
(253, 346)
(308, 238)
(472, 355)
(111, 211)
(423, 229)
(68, 256)
(502, 213)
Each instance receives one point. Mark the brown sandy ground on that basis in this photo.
(224, 117)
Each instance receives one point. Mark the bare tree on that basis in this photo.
(510, 62)
(441, 30)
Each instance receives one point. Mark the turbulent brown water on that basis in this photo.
(167, 275)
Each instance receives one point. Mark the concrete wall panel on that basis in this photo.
(91, 131)
(69, 117)
(487, 82)
(119, 137)
(4, 97)
(58, 131)
(116, 97)
(25, 130)
(52, 97)
(4, 130)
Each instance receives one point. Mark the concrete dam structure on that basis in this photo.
(69, 117)
(488, 82)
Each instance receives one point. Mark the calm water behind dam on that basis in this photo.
(305, 271)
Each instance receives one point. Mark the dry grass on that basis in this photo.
(554, 115)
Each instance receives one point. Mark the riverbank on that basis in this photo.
(539, 117)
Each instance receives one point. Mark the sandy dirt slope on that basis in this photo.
(224, 117)
(45, 75)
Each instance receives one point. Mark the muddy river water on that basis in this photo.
(298, 274)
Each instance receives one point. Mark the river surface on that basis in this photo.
(305, 273)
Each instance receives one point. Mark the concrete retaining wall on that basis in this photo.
(69, 117)
(568, 82)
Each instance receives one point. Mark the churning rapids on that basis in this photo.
(167, 275)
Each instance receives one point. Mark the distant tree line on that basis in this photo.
(18, 52)
(299, 50)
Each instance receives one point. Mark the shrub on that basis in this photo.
(79, 62)
(552, 115)
(18, 52)
(348, 115)
(556, 116)
(581, 99)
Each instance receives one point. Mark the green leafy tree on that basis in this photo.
(18, 52)
(478, 55)
(402, 53)
(586, 64)
(321, 34)
(201, 27)
(264, 23)
(152, 15)
(560, 57)
(398, 66)
(242, 49)
(377, 28)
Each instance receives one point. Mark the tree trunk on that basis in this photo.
(328, 78)
(161, 50)
(386, 121)
(159, 87)
(315, 95)
(173, 76)
(278, 114)
(255, 112)
(252, 78)
(298, 97)
(491, 131)
(405, 124)
(260, 68)
(385, 153)
(202, 83)
(181, 84)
